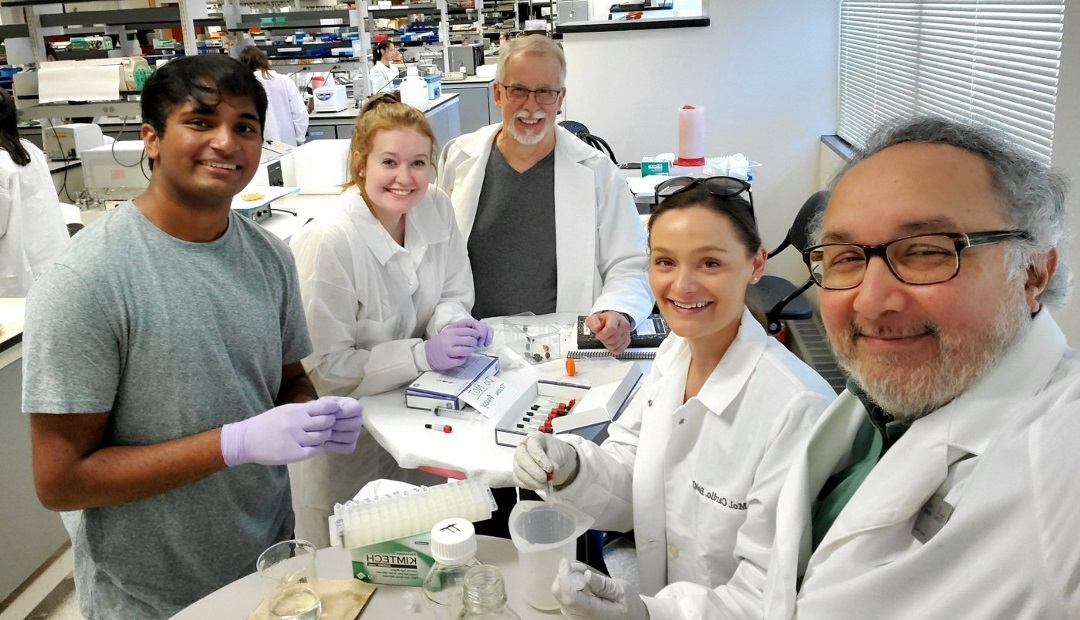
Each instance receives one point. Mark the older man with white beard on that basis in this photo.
(943, 483)
(551, 225)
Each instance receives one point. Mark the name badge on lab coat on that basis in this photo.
(932, 517)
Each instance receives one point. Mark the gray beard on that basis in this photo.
(908, 393)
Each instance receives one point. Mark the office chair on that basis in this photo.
(780, 299)
(582, 132)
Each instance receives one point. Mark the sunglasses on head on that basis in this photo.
(721, 187)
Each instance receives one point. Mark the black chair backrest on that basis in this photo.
(798, 234)
(582, 132)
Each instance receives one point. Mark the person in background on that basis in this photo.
(32, 228)
(162, 368)
(387, 290)
(695, 464)
(286, 113)
(382, 74)
(550, 224)
(947, 462)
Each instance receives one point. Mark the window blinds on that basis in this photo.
(991, 62)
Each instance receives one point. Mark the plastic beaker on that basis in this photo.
(544, 534)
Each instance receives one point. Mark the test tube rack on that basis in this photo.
(357, 523)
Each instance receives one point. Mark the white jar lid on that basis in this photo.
(453, 541)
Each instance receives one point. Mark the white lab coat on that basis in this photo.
(286, 114)
(697, 482)
(369, 304)
(1003, 455)
(32, 228)
(382, 77)
(602, 254)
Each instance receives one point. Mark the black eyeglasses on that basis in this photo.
(918, 260)
(721, 187)
(544, 96)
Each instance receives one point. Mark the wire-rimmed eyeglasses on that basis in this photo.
(544, 96)
(721, 187)
(918, 259)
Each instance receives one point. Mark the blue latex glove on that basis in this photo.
(452, 346)
(282, 435)
(347, 425)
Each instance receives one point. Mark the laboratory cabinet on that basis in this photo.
(28, 532)
(477, 105)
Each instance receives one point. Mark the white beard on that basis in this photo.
(529, 139)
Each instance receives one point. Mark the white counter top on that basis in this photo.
(11, 320)
(352, 111)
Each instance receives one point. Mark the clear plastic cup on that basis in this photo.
(544, 534)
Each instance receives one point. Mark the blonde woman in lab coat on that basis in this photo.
(387, 290)
(695, 464)
(32, 228)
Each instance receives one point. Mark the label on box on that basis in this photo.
(655, 167)
(491, 394)
(402, 562)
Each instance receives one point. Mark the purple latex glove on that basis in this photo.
(346, 428)
(282, 435)
(451, 347)
(485, 331)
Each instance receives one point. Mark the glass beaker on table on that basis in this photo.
(288, 573)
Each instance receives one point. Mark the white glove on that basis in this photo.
(583, 593)
(541, 454)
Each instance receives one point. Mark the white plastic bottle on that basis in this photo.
(453, 546)
(414, 89)
(484, 596)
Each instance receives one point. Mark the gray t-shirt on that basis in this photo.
(512, 242)
(170, 338)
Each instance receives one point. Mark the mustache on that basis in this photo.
(856, 331)
(537, 115)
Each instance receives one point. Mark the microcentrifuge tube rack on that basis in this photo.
(358, 523)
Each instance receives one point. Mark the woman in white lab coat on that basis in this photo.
(382, 74)
(32, 228)
(695, 464)
(286, 114)
(387, 289)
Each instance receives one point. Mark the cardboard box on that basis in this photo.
(600, 398)
(443, 389)
(400, 562)
(655, 167)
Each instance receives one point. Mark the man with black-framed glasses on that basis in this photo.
(942, 483)
(550, 224)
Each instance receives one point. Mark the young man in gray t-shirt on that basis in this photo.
(162, 365)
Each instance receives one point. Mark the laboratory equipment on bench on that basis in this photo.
(331, 97)
(468, 56)
(484, 595)
(414, 90)
(64, 142)
(320, 166)
(120, 170)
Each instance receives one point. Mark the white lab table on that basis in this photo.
(469, 450)
(238, 599)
